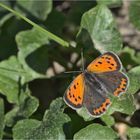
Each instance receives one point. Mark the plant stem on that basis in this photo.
(49, 34)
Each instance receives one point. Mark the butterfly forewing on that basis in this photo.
(74, 94)
(105, 63)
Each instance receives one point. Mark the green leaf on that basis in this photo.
(84, 113)
(134, 77)
(97, 132)
(77, 9)
(9, 78)
(26, 107)
(134, 13)
(23, 128)
(129, 57)
(11, 73)
(135, 56)
(32, 54)
(36, 8)
(2, 124)
(53, 23)
(133, 133)
(51, 127)
(110, 3)
(101, 26)
(109, 120)
(124, 104)
(4, 19)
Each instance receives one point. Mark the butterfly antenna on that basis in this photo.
(73, 71)
(82, 60)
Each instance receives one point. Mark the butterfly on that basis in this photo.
(93, 87)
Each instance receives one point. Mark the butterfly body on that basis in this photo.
(94, 85)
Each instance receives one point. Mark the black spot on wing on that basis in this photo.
(104, 109)
(79, 97)
(100, 62)
(117, 60)
(108, 58)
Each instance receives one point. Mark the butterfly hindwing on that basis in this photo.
(74, 94)
(105, 63)
(115, 82)
(95, 97)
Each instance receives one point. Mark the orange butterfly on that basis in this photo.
(93, 86)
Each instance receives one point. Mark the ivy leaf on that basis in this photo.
(75, 13)
(133, 133)
(4, 19)
(84, 113)
(53, 23)
(32, 54)
(109, 120)
(2, 124)
(25, 108)
(90, 132)
(134, 13)
(36, 8)
(101, 26)
(124, 104)
(110, 3)
(134, 77)
(51, 127)
(129, 57)
(9, 78)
